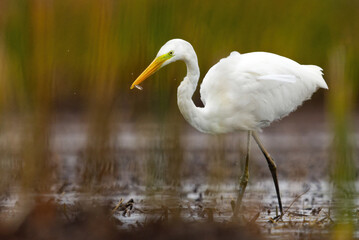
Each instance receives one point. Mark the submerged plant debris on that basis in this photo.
(188, 211)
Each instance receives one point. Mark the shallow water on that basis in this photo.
(300, 147)
(308, 207)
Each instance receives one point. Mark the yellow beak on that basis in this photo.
(151, 69)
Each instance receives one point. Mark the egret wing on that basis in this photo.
(257, 88)
(279, 77)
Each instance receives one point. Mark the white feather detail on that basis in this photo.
(279, 77)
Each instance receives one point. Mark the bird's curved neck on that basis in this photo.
(189, 110)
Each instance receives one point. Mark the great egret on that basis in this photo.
(242, 92)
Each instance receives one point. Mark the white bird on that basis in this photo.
(242, 92)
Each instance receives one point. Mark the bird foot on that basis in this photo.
(276, 218)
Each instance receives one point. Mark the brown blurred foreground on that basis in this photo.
(47, 221)
(193, 211)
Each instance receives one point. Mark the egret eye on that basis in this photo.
(171, 53)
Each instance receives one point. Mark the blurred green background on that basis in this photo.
(82, 55)
(66, 59)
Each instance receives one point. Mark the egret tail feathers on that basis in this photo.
(317, 75)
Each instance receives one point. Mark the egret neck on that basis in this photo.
(185, 91)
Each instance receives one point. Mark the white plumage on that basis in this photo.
(249, 91)
(241, 92)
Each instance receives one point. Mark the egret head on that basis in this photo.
(173, 50)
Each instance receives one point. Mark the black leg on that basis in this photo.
(272, 168)
(243, 179)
